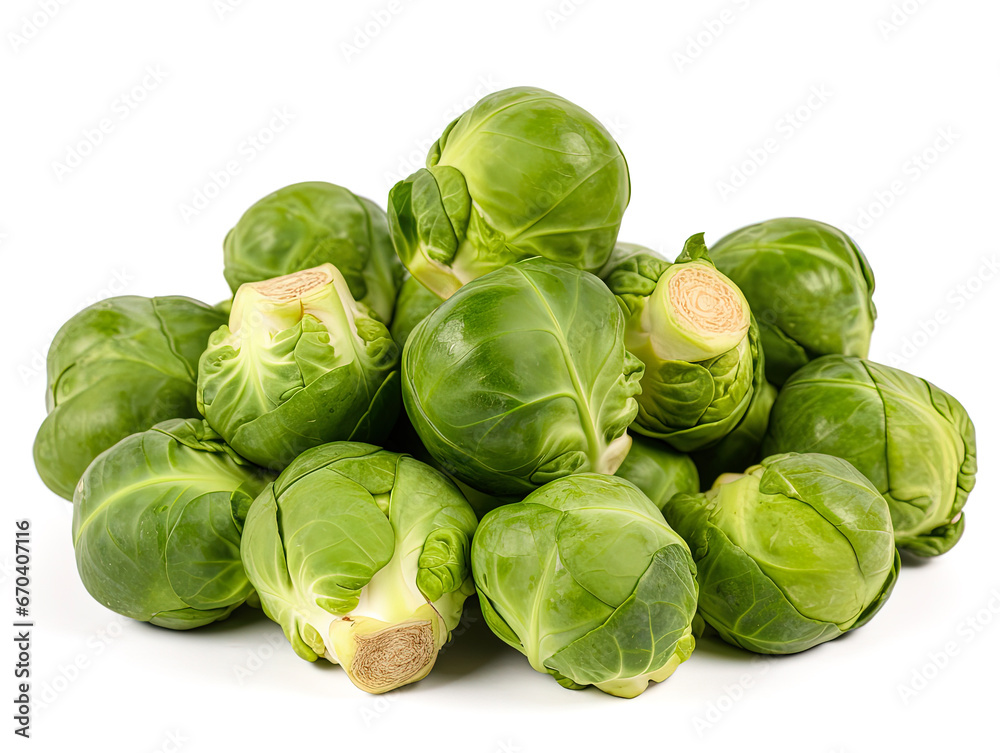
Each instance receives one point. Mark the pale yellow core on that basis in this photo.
(706, 303)
(295, 285)
(390, 657)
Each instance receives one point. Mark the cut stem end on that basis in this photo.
(295, 285)
(697, 314)
(392, 657)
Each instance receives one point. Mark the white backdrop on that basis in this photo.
(135, 134)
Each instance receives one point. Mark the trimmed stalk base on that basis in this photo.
(389, 658)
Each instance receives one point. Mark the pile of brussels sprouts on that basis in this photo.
(481, 391)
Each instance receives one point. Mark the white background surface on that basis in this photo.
(114, 224)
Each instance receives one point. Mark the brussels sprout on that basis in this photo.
(586, 579)
(522, 377)
(114, 369)
(658, 471)
(795, 552)
(741, 447)
(157, 521)
(362, 557)
(523, 173)
(305, 225)
(913, 441)
(413, 304)
(300, 364)
(693, 330)
(809, 287)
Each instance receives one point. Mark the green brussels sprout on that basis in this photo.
(809, 287)
(114, 369)
(157, 522)
(741, 447)
(658, 471)
(694, 332)
(523, 173)
(586, 579)
(300, 364)
(795, 552)
(305, 225)
(522, 377)
(362, 557)
(912, 440)
(413, 304)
